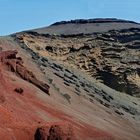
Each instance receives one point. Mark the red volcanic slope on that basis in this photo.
(20, 118)
(15, 65)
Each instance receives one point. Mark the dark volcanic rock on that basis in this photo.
(98, 20)
(40, 134)
(19, 90)
(54, 132)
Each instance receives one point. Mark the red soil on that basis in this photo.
(19, 113)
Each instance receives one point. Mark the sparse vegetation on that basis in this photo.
(55, 87)
(50, 80)
(67, 97)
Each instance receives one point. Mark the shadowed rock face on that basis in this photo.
(15, 64)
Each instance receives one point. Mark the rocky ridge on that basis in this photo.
(112, 57)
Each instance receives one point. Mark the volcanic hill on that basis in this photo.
(72, 80)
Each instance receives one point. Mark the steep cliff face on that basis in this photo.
(111, 57)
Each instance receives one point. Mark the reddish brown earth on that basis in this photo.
(18, 118)
(44, 97)
(14, 64)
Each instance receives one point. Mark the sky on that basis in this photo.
(19, 15)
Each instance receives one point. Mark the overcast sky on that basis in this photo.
(19, 15)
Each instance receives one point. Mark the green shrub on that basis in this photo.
(56, 88)
(50, 80)
(67, 97)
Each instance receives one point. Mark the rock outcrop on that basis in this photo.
(112, 58)
(15, 64)
(55, 132)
